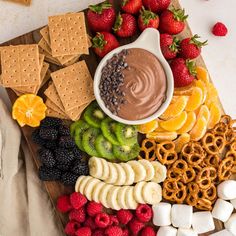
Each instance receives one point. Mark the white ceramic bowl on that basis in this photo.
(150, 41)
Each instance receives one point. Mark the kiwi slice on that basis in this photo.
(93, 115)
(88, 141)
(80, 128)
(126, 153)
(126, 134)
(108, 127)
(104, 147)
(73, 128)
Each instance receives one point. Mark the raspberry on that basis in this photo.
(144, 213)
(102, 220)
(93, 208)
(126, 232)
(113, 220)
(63, 204)
(78, 215)
(124, 216)
(148, 230)
(136, 226)
(219, 29)
(113, 231)
(71, 227)
(98, 232)
(83, 231)
(89, 222)
(77, 200)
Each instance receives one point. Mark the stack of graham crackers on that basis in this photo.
(64, 39)
(24, 2)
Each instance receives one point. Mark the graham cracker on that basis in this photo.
(68, 34)
(49, 57)
(41, 59)
(45, 34)
(69, 63)
(76, 112)
(46, 78)
(54, 107)
(24, 2)
(52, 113)
(44, 45)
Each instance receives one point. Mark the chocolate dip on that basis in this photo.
(144, 85)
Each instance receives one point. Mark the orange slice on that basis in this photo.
(204, 111)
(215, 115)
(184, 91)
(175, 123)
(189, 123)
(212, 94)
(159, 129)
(200, 84)
(175, 108)
(29, 109)
(174, 99)
(199, 129)
(181, 141)
(162, 136)
(148, 127)
(202, 74)
(195, 100)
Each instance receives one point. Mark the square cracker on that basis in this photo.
(68, 34)
(24, 2)
(52, 113)
(54, 107)
(49, 57)
(20, 65)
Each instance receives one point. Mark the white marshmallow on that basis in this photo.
(224, 232)
(186, 232)
(230, 224)
(167, 231)
(233, 201)
(203, 222)
(181, 216)
(161, 214)
(222, 210)
(227, 190)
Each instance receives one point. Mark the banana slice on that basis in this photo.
(103, 194)
(139, 171)
(130, 200)
(113, 175)
(83, 184)
(138, 192)
(112, 198)
(129, 173)
(121, 198)
(105, 169)
(121, 175)
(149, 169)
(77, 184)
(95, 167)
(160, 172)
(97, 190)
(152, 193)
(88, 189)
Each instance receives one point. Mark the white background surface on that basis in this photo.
(219, 55)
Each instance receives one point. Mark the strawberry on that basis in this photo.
(101, 17)
(172, 21)
(190, 48)
(125, 25)
(219, 29)
(169, 46)
(156, 5)
(147, 19)
(131, 6)
(184, 71)
(104, 42)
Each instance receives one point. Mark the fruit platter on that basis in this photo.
(123, 121)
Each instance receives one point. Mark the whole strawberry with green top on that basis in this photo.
(131, 6)
(101, 17)
(190, 48)
(156, 5)
(103, 43)
(184, 71)
(147, 19)
(172, 21)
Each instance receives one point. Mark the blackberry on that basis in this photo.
(64, 130)
(63, 166)
(48, 133)
(68, 178)
(50, 122)
(49, 174)
(80, 168)
(66, 142)
(78, 153)
(46, 157)
(36, 138)
(52, 145)
(64, 155)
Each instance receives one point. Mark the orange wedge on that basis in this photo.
(204, 111)
(184, 91)
(200, 84)
(195, 100)
(175, 123)
(212, 94)
(181, 141)
(29, 109)
(215, 115)
(202, 74)
(162, 136)
(199, 129)
(148, 127)
(175, 108)
(189, 123)
(159, 129)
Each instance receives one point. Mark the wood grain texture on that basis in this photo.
(55, 189)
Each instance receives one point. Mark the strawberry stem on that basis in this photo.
(118, 22)
(174, 47)
(100, 7)
(98, 41)
(191, 67)
(179, 14)
(147, 16)
(124, 2)
(194, 40)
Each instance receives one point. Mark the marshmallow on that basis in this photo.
(186, 232)
(233, 202)
(227, 190)
(203, 222)
(230, 224)
(181, 215)
(224, 232)
(167, 231)
(161, 214)
(222, 210)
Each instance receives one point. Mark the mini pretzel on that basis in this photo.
(226, 119)
(147, 151)
(210, 193)
(205, 177)
(192, 194)
(220, 129)
(165, 152)
(230, 136)
(232, 154)
(232, 146)
(204, 204)
(224, 171)
(212, 160)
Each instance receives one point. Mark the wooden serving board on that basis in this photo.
(56, 189)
